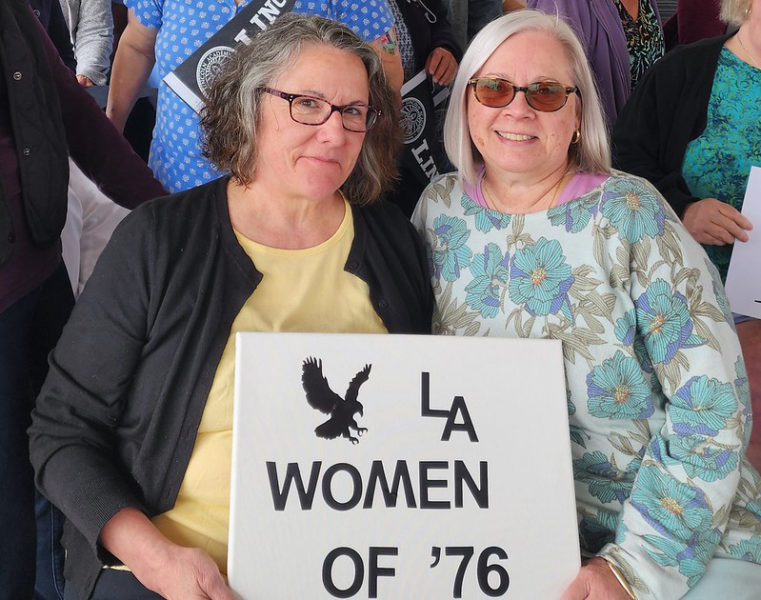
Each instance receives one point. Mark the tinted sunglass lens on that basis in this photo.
(546, 96)
(494, 93)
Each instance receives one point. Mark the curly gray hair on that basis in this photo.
(235, 100)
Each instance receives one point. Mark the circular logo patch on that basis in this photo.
(210, 66)
(413, 119)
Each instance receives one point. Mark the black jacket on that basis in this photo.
(40, 140)
(665, 113)
(116, 420)
(52, 117)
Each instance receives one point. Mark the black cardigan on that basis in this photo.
(664, 114)
(116, 420)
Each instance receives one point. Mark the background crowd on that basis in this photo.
(600, 154)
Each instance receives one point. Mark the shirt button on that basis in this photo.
(17, 75)
(351, 265)
(11, 237)
(26, 151)
(382, 304)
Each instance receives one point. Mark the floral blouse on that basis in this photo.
(658, 398)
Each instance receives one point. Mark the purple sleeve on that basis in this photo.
(575, 13)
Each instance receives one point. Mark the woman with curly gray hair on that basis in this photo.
(132, 431)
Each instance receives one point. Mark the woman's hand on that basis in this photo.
(172, 571)
(441, 65)
(185, 573)
(713, 222)
(595, 581)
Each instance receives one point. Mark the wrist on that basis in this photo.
(620, 577)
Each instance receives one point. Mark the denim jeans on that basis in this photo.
(28, 331)
(115, 585)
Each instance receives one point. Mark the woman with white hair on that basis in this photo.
(693, 131)
(535, 236)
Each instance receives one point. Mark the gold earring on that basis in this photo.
(576, 137)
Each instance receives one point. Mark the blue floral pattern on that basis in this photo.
(575, 216)
(658, 400)
(702, 406)
(618, 389)
(664, 317)
(540, 278)
(450, 254)
(485, 219)
(633, 210)
(489, 272)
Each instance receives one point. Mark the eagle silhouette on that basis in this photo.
(341, 410)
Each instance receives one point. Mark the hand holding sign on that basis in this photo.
(596, 581)
(711, 221)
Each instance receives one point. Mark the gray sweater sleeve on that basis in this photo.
(92, 32)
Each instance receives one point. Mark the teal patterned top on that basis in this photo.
(658, 397)
(718, 162)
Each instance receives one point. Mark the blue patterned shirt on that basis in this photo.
(183, 27)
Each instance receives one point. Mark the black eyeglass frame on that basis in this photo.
(372, 113)
(526, 89)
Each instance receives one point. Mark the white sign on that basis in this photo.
(743, 285)
(394, 466)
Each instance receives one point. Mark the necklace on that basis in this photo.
(555, 189)
(751, 59)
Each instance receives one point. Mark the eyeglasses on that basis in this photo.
(309, 110)
(544, 96)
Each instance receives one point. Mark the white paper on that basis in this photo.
(743, 283)
(514, 395)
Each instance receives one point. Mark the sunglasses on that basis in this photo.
(544, 96)
(309, 110)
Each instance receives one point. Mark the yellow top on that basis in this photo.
(301, 290)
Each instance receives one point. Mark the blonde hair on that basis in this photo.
(590, 154)
(734, 12)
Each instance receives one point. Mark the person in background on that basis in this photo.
(535, 236)
(44, 116)
(91, 26)
(90, 222)
(622, 40)
(166, 32)
(469, 16)
(52, 19)
(693, 131)
(425, 41)
(292, 240)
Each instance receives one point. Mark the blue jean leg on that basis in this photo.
(28, 330)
